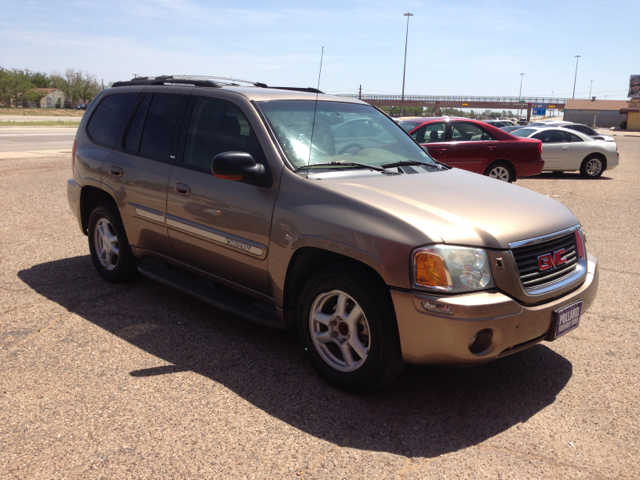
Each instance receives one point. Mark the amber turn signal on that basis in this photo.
(430, 270)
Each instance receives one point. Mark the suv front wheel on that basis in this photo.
(347, 326)
(108, 244)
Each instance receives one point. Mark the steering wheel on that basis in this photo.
(343, 150)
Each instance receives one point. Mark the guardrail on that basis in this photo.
(457, 98)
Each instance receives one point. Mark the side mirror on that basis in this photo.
(236, 166)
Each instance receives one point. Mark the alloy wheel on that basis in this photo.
(499, 173)
(106, 243)
(339, 330)
(594, 167)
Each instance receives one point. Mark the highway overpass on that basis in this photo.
(452, 101)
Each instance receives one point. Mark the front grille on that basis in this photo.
(527, 260)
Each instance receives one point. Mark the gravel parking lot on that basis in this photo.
(141, 381)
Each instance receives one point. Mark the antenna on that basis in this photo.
(315, 108)
(320, 73)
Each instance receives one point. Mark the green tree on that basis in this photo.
(14, 83)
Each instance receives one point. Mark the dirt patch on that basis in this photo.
(40, 112)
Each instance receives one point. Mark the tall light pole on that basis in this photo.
(575, 78)
(590, 89)
(404, 71)
(520, 96)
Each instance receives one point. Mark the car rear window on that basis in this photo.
(109, 117)
(523, 132)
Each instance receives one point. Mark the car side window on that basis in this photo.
(468, 132)
(218, 126)
(160, 125)
(109, 118)
(552, 136)
(575, 138)
(134, 132)
(431, 133)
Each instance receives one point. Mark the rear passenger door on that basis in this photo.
(472, 147)
(139, 168)
(218, 225)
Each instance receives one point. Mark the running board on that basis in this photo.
(224, 298)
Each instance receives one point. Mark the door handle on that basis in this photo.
(115, 171)
(182, 189)
(564, 148)
(442, 150)
(492, 147)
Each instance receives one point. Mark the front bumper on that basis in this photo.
(426, 337)
(73, 196)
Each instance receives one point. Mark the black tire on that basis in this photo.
(592, 167)
(383, 361)
(501, 171)
(120, 267)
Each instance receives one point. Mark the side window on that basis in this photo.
(109, 117)
(552, 136)
(468, 132)
(217, 126)
(132, 139)
(160, 125)
(575, 138)
(434, 132)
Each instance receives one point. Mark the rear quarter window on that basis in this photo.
(109, 117)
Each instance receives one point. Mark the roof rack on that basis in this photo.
(204, 81)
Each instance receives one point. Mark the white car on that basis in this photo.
(564, 150)
(579, 127)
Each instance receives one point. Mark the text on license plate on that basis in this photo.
(568, 318)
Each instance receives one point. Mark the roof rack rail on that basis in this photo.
(204, 81)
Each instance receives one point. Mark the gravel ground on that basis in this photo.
(141, 381)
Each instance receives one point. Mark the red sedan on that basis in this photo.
(477, 147)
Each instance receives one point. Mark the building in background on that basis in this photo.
(53, 98)
(602, 113)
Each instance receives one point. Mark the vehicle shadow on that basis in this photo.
(427, 412)
(565, 176)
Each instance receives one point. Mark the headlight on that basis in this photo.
(447, 268)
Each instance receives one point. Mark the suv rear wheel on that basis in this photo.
(347, 325)
(108, 244)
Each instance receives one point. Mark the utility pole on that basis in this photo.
(404, 71)
(575, 78)
(360, 93)
(520, 96)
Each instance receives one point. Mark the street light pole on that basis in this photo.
(520, 96)
(404, 71)
(575, 78)
(590, 89)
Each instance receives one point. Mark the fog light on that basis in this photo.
(480, 343)
(437, 307)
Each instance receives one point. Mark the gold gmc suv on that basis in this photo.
(293, 208)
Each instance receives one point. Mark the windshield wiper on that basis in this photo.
(341, 164)
(406, 163)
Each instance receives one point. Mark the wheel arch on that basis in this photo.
(304, 263)
(508, 163)
(599, 155)
(90, 198)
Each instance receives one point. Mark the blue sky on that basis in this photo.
(455, 47)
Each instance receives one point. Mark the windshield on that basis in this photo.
(523, 132)
(343, 132)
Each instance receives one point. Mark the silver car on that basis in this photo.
(564, 151)
(579, 127)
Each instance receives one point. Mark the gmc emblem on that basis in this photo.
(548, 260)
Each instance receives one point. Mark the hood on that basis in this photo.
(460, 207)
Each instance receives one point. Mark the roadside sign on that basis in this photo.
(539, 109)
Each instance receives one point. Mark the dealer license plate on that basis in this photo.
(567, 318)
